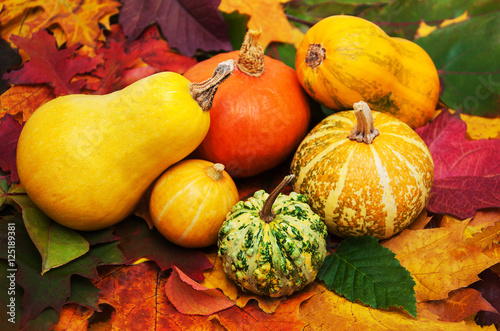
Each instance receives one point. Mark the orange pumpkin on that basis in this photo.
(364, 173)
(258, 117)
(343, 59)
(190, 201)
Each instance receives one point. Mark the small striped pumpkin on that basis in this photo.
(364, 172)
(272, 244)
(190, 200)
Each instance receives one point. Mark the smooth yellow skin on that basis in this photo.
(86, 160)
(392, 75)
(188, 206)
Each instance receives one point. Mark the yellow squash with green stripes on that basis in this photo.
(364, 173)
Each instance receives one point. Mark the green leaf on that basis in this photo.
(466, 56)
(57, 244)
(362, 269)
(282, 52)
(53, 288)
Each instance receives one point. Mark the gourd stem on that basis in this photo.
(215, 171)
(204, 92)
(251, 57)
(365, 130)
(267, 214)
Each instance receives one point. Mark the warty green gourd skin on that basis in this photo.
(86, 160)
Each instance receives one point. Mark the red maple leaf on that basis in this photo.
(51, 65)
(10, 129)
(466, 172)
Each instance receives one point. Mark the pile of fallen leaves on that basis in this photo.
(129, 277)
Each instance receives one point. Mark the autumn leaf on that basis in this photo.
(267, 16)
(187, 25)
(466, 172)
(137, 241)
(156, 52)
(327, 309)
(461, 304)
(440, 259)
(10, 130)
(53, 240)
(78, 21)
(189, 297)
(21, 101)
(51, 289)
(136, 293)
(50, 65)
(489, 286)
(73, 317)
(9, 58)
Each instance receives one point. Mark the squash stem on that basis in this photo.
(215, 171)
(204, 92)
(251, 57)
(267, 214)
(365, 130)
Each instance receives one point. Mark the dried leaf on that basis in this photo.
(328, 310)
(10, 130)
(53, 288)
(50, 65)
(73, 318)
(466, 172)
(268, 16)
(138, 241)
(78, 21)
(361, 269)
(21, 101)
(286, 317)
(440, 259)
(137, 295)
(191, 298)
(187, 25)
(8, 59)
(461, 304)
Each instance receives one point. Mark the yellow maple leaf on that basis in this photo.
(73, 22)
(441, 259)
(329, 311)
(267, 16)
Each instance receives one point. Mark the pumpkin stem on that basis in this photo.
(204, 92)
(267, 214)
(251, 56)
(365, 130)
(315, 55)
(215, 171)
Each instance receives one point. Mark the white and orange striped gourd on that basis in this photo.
(190, 201)
(364, 172)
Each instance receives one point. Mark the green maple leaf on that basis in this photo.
(362, 269)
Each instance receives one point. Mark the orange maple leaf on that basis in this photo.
(268, 16)
(21, 101)
(74, 22)
(461, 304)
(441, 259)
